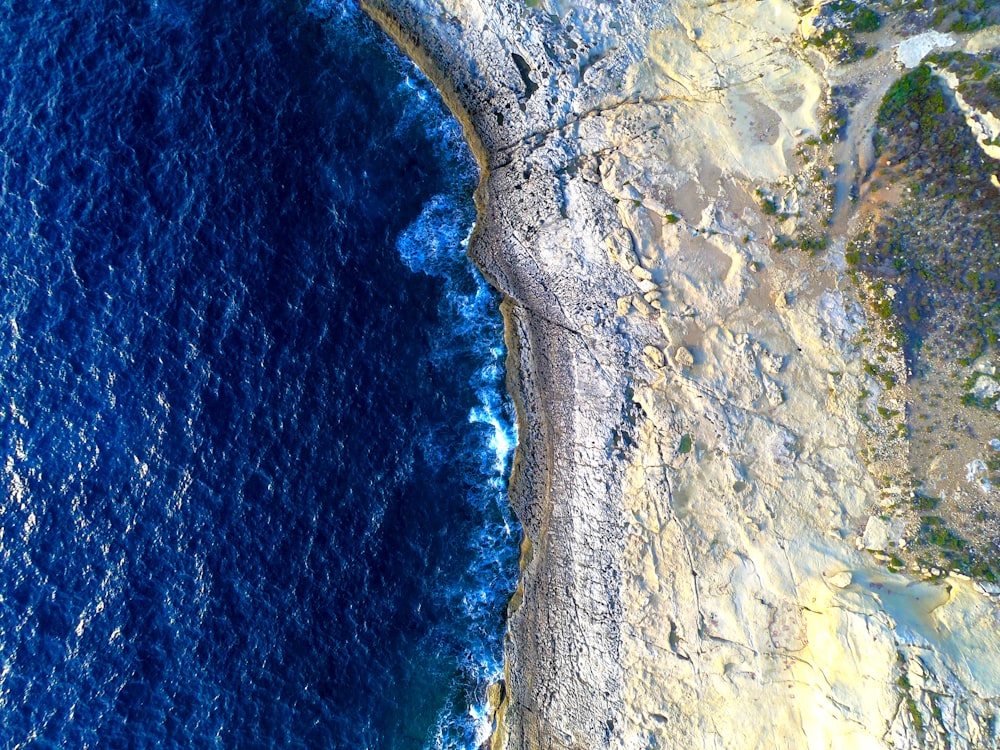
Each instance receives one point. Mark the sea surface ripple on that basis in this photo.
(254, 439)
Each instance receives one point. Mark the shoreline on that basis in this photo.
(565, 378)
(516, 342)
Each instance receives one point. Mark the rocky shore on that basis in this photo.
(698, 508)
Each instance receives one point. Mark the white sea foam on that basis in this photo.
(336, 10)
(432, 243)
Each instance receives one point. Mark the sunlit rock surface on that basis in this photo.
(691, 473)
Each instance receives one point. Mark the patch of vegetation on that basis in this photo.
(915, 94)
(933, 531)
(867, 21)
(971, 399)
(940, 248)
(812, 245)
(852, 256)
(864, 20)
(979, 77)
(945, 15)
(954, 552)
(882, 302)
(895, 564)
(767, 203)
(782, 242)
(886, 378)
(686, 444)
(915, 718)
(836, 121)
(839, 44)
(838, 23)
(961, 15)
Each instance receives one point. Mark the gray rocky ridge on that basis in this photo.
(698, 515)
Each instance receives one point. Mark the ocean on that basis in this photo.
(255, 438)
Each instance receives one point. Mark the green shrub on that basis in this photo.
(812, 244)
(686, 444)
(867, 21)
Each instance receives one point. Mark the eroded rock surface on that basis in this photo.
(690, 474)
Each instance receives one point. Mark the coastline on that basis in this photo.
(544, 342)
(516, 340)
(688, 473)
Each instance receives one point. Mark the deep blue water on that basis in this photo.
(254, 442)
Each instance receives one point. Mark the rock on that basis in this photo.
(654, 357)
(773, 393)
(985, 367)
(985, 387)
(841, 579)
(641, 274)
(769, 363)
(495, 695)
(645, 306)
(988, 588)
(683, 356)
(882, 534)
(910, 52)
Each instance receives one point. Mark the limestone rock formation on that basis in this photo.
(689, 475)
